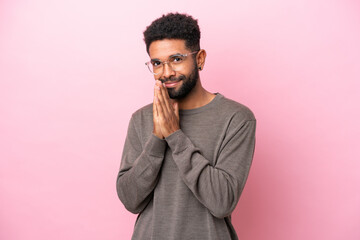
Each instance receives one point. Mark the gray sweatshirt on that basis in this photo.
(187, 185)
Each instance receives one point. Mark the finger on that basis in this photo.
(166, 98)
(155, 112)
(176, 110)
(170, 101)
(159, 108)
(161, 100)
(157, 95)
(166, 92)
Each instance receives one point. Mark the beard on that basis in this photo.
(187, 86)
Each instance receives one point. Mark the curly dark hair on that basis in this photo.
(174, 26)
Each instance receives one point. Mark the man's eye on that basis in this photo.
(177, 59)
(156, 63)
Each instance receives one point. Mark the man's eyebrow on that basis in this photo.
(172, 55)
(176, 54)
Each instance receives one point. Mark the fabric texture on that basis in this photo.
(187, 185)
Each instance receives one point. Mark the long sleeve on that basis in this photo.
(139, 169)
(218, 187)
(187, 185)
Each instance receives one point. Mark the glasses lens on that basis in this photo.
(174, 60)
(150, 67)
(175, 63)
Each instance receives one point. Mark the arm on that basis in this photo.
(217, 187)
(138, 174)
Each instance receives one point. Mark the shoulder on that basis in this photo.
(142, 121)
(144, 112)
(235, 109)
(142, 116)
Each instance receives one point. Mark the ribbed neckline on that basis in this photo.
(203, 108)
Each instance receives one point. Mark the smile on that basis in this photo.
(171, 84)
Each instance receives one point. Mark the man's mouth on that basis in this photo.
(171, 84)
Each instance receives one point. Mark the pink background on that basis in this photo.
(72, 73)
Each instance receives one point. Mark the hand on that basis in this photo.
(166, 112)
(156, 119)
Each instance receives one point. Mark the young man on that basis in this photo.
(187, 155)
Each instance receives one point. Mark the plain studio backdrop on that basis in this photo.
(73, 72)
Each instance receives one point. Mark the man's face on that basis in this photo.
(180, 82)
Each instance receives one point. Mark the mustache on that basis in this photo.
(172, 79)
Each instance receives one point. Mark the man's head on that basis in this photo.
(173, 44)
(174, 26)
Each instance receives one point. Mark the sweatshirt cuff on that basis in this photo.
(155, 146)
(178, 141)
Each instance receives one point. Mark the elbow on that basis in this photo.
(128, 203)
(225, 203)
(130, 195)
(222, 211)
(222, 208)
(131, 206)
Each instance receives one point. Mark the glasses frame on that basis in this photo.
(168, 62)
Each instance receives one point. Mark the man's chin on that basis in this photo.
(173, 94)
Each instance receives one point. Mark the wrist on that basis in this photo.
(160, 136)
(170, 133)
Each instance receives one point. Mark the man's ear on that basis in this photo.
(200, 59)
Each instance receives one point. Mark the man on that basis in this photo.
(187, 155)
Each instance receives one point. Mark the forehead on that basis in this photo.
(162, 49)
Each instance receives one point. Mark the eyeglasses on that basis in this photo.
(175, 61)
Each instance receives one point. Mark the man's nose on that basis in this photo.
(168, 71)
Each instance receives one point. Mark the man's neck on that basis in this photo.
(198, 97)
